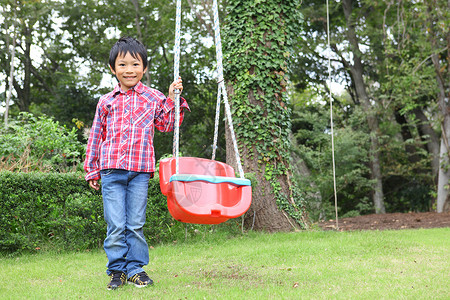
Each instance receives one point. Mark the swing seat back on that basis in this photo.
(204, 192)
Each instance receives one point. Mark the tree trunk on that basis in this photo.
(259, 43)
(432, 140)
(357, 74)
(263, 213)
(429, 136)
(23, 93)
(443, 198)
(11, 75)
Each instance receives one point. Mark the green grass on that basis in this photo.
(406, 264)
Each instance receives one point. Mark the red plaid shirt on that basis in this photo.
(122, 132)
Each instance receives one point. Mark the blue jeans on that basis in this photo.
(124, 205)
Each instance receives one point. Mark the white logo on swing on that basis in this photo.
(194, 192)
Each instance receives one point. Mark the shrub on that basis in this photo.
(32, 143)
(59, 211)
(46, 208)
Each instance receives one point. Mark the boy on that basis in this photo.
(120, 152)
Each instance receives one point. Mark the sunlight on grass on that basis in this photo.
(410, 264)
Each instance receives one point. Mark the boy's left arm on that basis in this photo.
(165, 112)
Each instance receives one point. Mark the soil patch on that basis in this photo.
(390, 221)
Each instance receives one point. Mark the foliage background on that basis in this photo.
(61, 70)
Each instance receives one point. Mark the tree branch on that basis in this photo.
(200, 18)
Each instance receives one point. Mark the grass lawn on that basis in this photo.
(406, 264)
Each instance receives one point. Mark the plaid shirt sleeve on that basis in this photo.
(96, 136)
(165, 113)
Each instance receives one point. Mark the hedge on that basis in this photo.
(60, 211)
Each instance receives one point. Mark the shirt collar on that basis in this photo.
(138, 88)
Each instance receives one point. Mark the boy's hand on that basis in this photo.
(94, 184)
(176, 85)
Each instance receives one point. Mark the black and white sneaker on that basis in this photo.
(117, 280)
(140, 280)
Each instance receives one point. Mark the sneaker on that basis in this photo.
(140, 280)
(117, 280)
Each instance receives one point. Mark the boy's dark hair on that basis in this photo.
(127, 45)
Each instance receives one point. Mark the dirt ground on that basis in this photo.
(390, 221)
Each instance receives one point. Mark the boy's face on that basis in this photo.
(129, 70)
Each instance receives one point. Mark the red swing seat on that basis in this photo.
(204, 192)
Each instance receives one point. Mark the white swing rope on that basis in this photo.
(331, 117)
(176, 75)
(220, 92)
(221, 83)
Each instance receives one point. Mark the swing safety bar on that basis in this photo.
(210, 179)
